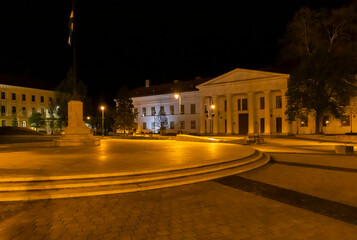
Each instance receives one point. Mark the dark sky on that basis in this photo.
(125, 42)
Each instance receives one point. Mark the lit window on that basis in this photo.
(144, 114)
(304, 122)
(326, 121)
(24, 124)
(345, 120)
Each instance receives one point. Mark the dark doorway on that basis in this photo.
(278, 125)
(243, 124)
(262, 125)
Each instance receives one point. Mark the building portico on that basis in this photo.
(246, 102)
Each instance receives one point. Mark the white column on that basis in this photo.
(216, 117)
(267, 112)
(202, 115)
(285, 126)
(250, 112)
(229, 113)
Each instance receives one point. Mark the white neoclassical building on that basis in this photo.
(240, 102)
(149, 101)
(246, 102)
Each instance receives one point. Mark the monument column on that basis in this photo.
(216, 117)
(229, 113)
(202, 115)
(267, 112)
(284, 103)
(251, 121)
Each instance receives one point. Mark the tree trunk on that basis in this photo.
(318, 121)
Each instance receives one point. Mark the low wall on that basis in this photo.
(331, 138)
(25, 138)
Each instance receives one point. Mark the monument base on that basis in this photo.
(77, 140)
(77, 133)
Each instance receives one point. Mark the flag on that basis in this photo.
(70, 24)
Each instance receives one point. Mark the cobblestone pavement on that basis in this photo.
(207, 210)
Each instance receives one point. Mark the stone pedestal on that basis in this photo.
(77, 133)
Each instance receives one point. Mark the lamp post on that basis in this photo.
(102, 107)
(212, 116)
(178, 96)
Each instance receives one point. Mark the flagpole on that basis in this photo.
(74, 45)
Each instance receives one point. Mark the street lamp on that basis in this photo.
(102, 107)
(211, 117)
(178, 96)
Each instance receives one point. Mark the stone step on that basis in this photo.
(101, 180)
(144, 184)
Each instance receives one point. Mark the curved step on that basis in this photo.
(130, 178)
(23, 191)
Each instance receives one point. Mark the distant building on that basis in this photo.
(20, 98)
(150, 100)
(240, 102)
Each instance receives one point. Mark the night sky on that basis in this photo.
(125, 42)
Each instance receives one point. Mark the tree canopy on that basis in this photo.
(123, 116)
(63, 94)
(37, 120)
(321, 46)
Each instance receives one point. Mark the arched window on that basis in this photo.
(3, 110)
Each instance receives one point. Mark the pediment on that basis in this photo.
(239, 75)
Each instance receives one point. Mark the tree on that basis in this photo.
(310, 31)
(123, 115)
(161, 121)
(14, 122)
(63, 94)
(37, 120)
(319, 44)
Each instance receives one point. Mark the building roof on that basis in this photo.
(240, 75)
(25, 82)
(167, 88)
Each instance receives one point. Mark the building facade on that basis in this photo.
(19, 103)
(242, 102)
(152, 102)
(246, 102)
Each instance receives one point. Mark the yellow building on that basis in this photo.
(20, 98)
